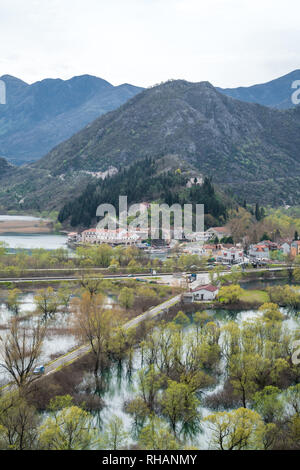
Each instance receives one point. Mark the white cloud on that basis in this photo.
(228, 42)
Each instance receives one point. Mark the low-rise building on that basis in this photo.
(219, 232)
(285, 248)
(73, 237)
(231, 255)
(194, 249)
(195, 180)
(198, 237)
(295, 248)
(206, 292)
(111, 237)
(271, 245)
(259, 252)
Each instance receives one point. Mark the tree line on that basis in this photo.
(141, 182)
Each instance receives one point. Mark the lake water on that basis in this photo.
(25, 218)
(30, 241)
(122, 386)
(59, 339)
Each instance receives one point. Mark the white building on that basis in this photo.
(286, 248)
(111, 237)
(207, 292)
(194, 249)
(219, 232)
(231, 256)
(198, 180)
(73, 237)
(259, 252)
(198, 237)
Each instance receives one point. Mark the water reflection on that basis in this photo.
(122, 384)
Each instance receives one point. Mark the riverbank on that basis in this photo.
(25, 226)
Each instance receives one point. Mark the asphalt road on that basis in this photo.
(72, 356)
(76, 354)
(163, 276)
(168, 278)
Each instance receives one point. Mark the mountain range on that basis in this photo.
(39, 116)
(4, 166)
(249, 150)
(276, 93)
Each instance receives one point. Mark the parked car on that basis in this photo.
(39, 370)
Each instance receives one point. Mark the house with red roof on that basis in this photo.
(259, 252)
(231, 255)
(206, 292)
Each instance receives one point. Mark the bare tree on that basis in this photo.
(91, 284)
(46, 302)
(20, 351)
(94, 324)
(19, 423)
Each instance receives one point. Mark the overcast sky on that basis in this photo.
(143, 42)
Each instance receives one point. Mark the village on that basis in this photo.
(216, 244)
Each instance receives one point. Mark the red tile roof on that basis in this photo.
(220, 229)
(208, 287)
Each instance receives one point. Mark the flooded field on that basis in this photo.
(60, 338)
(122, 383)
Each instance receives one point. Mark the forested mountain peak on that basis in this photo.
(248, 149)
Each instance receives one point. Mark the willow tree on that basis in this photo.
(68, 429)
(156, 435)
(46, 302)
(180, 406)
(236, 430)
(13, 300)
(114, 437)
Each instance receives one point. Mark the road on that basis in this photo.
(165, 276)
(202, 276)
(72, 356)
(153, 312)
(76, 354)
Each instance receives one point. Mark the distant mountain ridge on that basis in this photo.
(216, 134)
(5, 166)
(40, 116)
(276, 93)
(248, 149)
